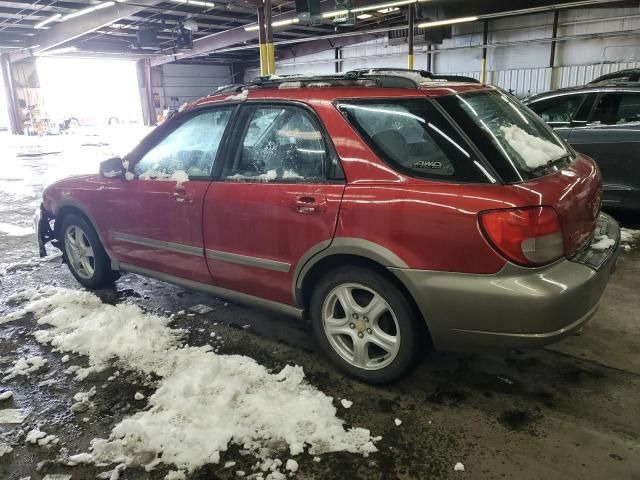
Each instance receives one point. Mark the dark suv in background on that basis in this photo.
(601, 120)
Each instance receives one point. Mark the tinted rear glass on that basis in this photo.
(519, 145)
(414, 138)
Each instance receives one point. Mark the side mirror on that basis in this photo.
(112, 168)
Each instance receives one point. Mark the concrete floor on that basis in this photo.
(567, 411)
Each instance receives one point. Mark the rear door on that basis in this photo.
(612, 138)
(276, 198)
(156, 218)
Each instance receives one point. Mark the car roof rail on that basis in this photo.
(411, 73)
(366, 77)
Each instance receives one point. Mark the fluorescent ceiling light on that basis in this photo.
(47, 21)
(382, 6)
(364, 16)
(447, 22)
(335, 13)
(84, 11)
(279, 23)
(198, 3)
(389, 10)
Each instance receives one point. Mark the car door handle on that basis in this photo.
(183, 198)
(310, 204)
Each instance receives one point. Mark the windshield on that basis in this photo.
(515, 140)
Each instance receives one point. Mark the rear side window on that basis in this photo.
(617, 108)
(413, 137)
(558, 111)
(518, 143)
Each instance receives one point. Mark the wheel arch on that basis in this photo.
(76, 208)
(355, 252)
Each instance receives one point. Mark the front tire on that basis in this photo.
(366, 325)
(84, 254)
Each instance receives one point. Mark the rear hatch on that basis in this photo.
(532, 159)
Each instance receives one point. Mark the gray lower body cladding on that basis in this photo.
(517, 307)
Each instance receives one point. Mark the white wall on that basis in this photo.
(188, 82)
(463, 52)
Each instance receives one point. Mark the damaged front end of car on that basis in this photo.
(42, 221)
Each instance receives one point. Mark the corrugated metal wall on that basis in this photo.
(524, 82)
(187, 82)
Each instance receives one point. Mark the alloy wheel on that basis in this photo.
(361, 326)
(79, 252)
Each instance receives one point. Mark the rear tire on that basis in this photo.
(84, 254)
(366, 325)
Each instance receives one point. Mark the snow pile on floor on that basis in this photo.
(5, 448)
(629, 237)
(535, 151)
(38, 437)
(24, 366)
(203, 402)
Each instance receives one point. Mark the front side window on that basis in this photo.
(558, 111)
(191, 148)
(280, 142)
(412, 136)
(617, 109)
(517, 142)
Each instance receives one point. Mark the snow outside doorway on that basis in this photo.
(90, 92)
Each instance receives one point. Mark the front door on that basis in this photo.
(277, 198)
(156, 220)
(612, 138)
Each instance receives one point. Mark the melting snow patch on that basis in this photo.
(6, 395)
(346, 403)
(175, 475)
(602, 243)
(291, 465)
(201, 308)
(24, 366)
(458, 467)
(229, 464)
(203, 401)
(240, 97)
(5, 448)
(138, 396)
(629, 237)
(398, 422)
(12, 415)
(535, 151)
(38, 437)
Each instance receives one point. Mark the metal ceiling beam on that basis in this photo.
(216, 41)
(76, 27)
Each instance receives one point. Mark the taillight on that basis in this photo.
(530, 236)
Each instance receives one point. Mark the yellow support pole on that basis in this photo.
(271, 52)
(271, 58)
(411, 15)
(262, 38)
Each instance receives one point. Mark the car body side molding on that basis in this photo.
(161, 244)
(248, 260)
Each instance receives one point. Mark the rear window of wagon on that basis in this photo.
(414, 138)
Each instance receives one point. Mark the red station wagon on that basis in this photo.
(395, 209)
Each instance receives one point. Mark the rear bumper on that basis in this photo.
(517, 307)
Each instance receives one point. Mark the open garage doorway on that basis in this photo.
(90, 92)
(4, 114)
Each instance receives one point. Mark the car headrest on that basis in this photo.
(393, 144)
